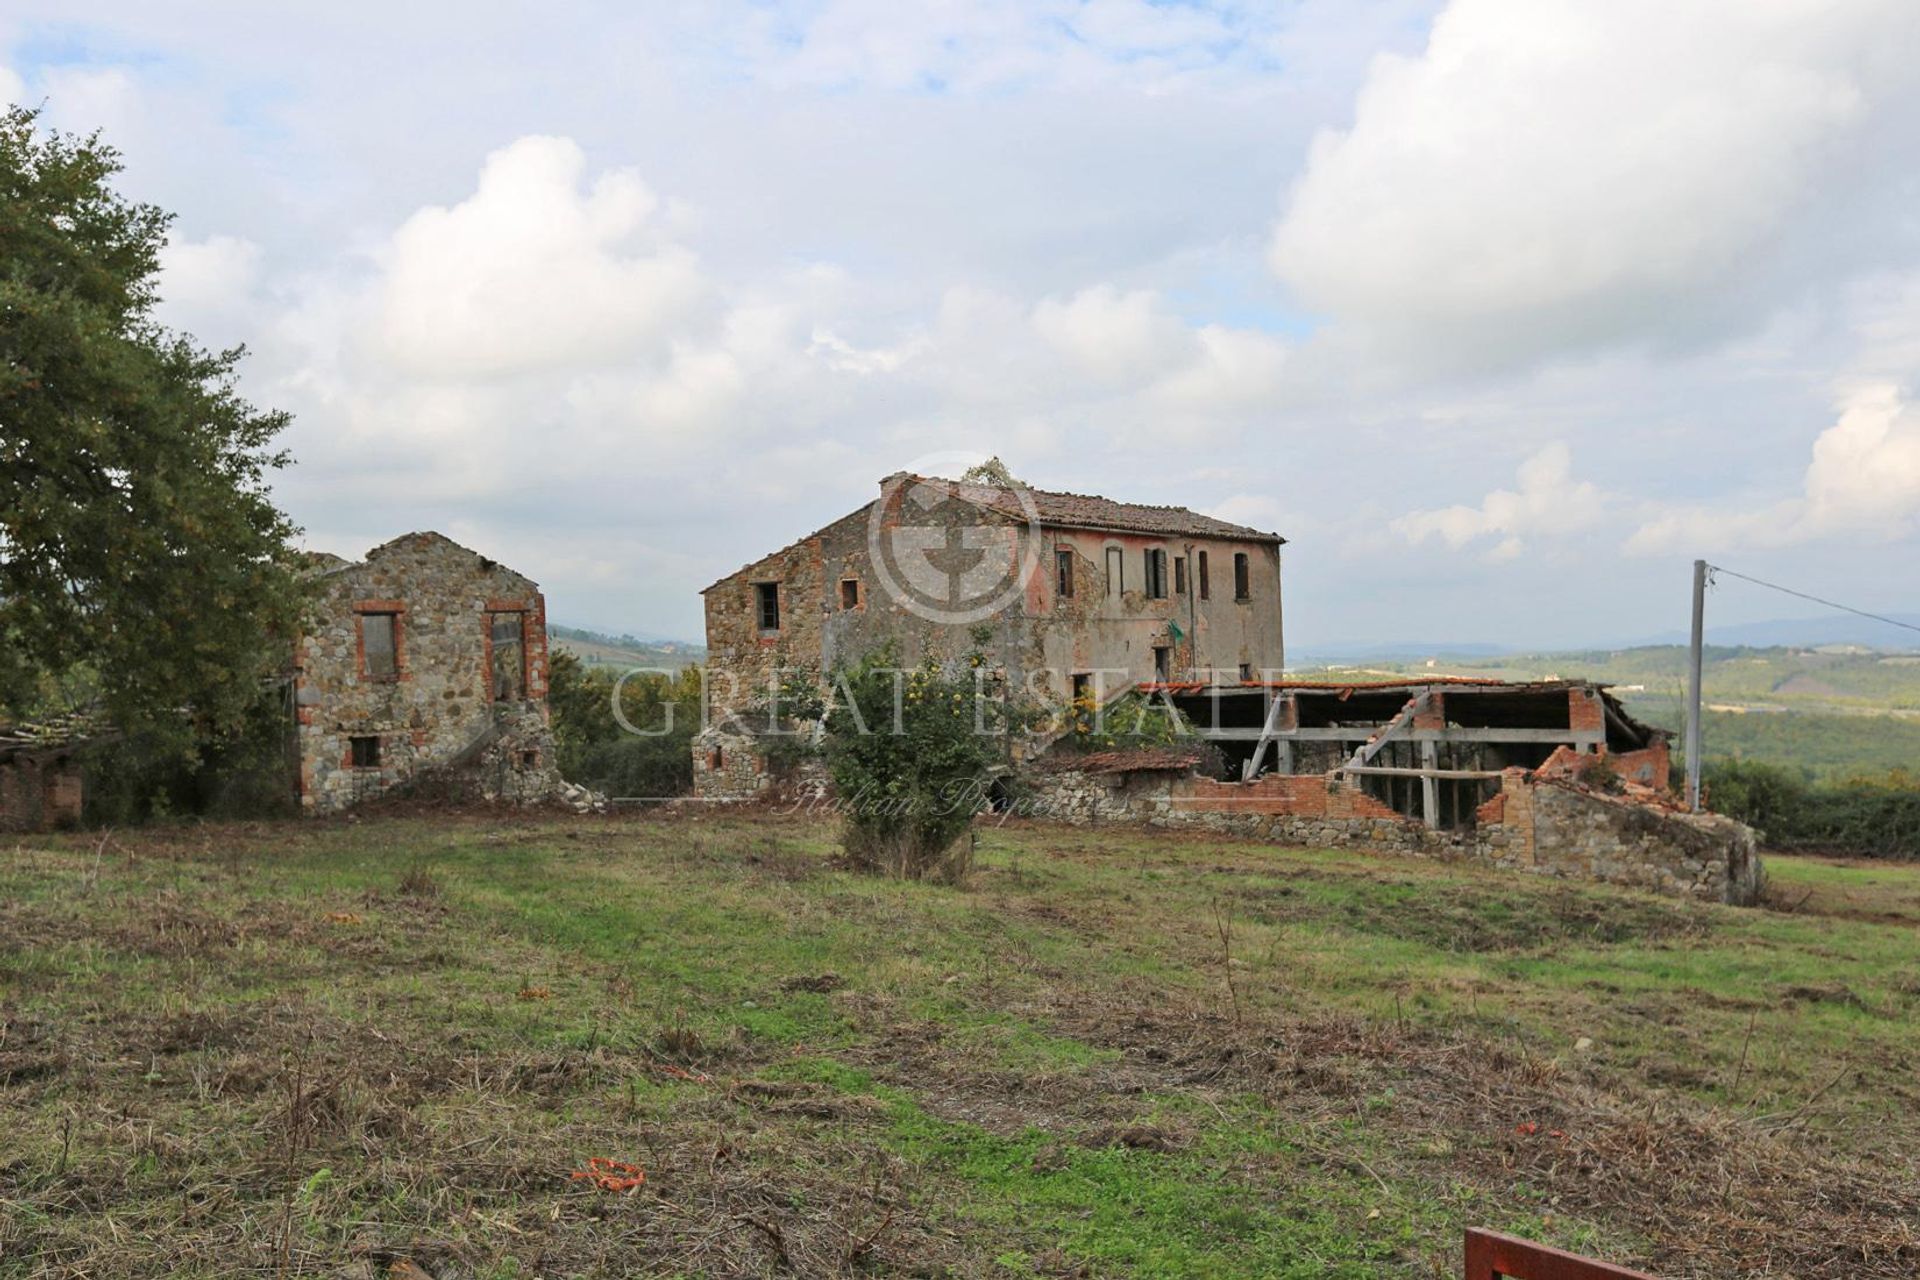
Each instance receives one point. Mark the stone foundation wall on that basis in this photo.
(1542, 827)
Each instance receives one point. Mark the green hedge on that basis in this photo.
(1872, 817)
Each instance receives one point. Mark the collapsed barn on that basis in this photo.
(1552, 777)
(1432, 750)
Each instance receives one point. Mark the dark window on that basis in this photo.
(1082, 685)
(507, 682)
(766, 597)
(849, 593)
(365, 752)
(1206, 587)
(717, 759)
(1179, 575)
(1246, 673)
(1156, 561)
(1063, 572)
(530, 759)
(379, 641)
(1116, 571)
(1162, 663)
(1242, 581)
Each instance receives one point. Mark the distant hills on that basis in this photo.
(601, 649)
(1777, 633)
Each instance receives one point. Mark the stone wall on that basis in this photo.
(731, 764)
(435, 719)
(835, 609)
(1543, 826)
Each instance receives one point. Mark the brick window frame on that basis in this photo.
(495, 607)
(397, 609)
(851, 596)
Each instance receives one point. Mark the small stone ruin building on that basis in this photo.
(427, 669)
(42, 786)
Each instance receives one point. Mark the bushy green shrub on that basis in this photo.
(1873, 817)
(912, 754)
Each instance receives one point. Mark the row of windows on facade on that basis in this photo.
(1154, 574)
(380, 641)
(767, 594)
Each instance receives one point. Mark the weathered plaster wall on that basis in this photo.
(436, 713)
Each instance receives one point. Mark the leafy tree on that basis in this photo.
(140, 551)
(653, 757)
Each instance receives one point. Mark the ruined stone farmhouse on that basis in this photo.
(428, 662)
(1081, 595)
(1103, 598)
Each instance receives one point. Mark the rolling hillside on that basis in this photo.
(598, 649)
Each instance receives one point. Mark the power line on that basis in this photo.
(1831, 604)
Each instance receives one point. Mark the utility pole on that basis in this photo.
(1693, 684)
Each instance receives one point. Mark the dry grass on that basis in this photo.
(312, 1050)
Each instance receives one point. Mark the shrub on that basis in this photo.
(912, 754)
(1872, 817)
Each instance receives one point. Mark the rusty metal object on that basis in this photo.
(1491, 1255)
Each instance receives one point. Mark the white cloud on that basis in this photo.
(1863, 481)
(534, 272)
(1112, 336)
(207, 287)
(1556, 174)
(12, 88)
(1547, 501)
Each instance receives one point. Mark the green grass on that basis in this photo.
(1114, 1052)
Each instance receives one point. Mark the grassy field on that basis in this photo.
(386, 1047)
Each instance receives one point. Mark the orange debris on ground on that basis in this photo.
(611, 1175)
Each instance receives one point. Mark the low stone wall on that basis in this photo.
(1543, 827)
(733, 766)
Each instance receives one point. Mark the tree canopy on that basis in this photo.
(140, 550)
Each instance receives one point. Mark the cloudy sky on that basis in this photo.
(1500, 310)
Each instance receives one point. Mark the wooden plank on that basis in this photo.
(1390, 730)
(1453, 733)
(1391, 771)
(1266, 735)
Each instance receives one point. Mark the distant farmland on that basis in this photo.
(597, 649)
